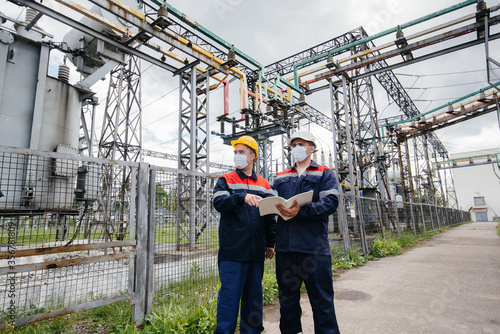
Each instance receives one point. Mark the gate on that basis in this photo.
(70, 234)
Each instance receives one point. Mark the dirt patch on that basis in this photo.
(83, 327)
(272, 312)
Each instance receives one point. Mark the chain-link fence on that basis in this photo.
(64, 225)
(186, 234)
(78, 232)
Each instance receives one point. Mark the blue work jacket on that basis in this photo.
(307, 232)
(243, 233)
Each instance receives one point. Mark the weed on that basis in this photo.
(269, 288)
(356, 257)
(186, 316)
(51, 326)
(384, 247)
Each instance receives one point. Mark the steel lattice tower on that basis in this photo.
(121, 137)
(193, 191)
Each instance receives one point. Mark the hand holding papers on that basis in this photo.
(268, 205)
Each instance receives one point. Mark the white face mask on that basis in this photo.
(240, 161)
(299, 153)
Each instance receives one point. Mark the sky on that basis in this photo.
(272, 30)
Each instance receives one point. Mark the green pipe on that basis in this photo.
(444, 105)
(207, 32)
(382, 127)
(464, 158)
(287, 83)
(381, 34)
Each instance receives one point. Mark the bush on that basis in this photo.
(384, 247)
(340, 261)
(269, 288)
(407, 239)
(176, 317)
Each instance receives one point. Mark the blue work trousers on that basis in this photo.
(240, 280)
(316, 272)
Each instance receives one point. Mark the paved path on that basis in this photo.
(449, 284)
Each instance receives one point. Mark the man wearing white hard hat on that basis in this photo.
(302, 245)
(245, 240)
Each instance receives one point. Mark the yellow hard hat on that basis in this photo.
(248, 141)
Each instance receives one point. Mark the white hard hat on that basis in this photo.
(302, 134)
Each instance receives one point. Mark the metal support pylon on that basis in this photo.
(265, 159)
(344, 117)
(121, 139)
(429, 187)
(370, 160)
(405, 170)
(193, 206)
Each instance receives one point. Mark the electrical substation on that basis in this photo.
(133, 228)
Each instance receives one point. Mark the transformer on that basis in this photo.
(36, 112)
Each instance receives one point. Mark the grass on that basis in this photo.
(168, 235)
(183, 315)
(194, 311)
(33, 231)
(41, 234)
(498, 229)
(393, 244)
(113, 318)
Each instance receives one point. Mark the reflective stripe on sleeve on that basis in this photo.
(272, 192)
(286, 175)
(239, 186)
(315, 173)
(328, 192)
(221, 193)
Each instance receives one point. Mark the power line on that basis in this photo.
(446, 86)
(439, 74)
(159, 119)
(442, 99)
(461, 147)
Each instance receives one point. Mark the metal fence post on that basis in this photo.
(437, 217)
(381, 219)
(423, 217)
(432, 219)
(362, 230)
(396, 211)
(132, 224)
(343, 224)
(140, 287)
(413, 218)
(151, 242)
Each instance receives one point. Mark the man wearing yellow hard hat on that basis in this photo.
(246, 239)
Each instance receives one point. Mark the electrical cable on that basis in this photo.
(446, 86)
(439, 74)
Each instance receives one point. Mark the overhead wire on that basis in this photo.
(439, 74)
(461, 147)
(447, 86)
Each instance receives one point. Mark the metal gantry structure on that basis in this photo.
(273, 97)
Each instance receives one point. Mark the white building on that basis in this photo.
(477, 183)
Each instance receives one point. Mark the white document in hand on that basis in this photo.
(268, 205)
